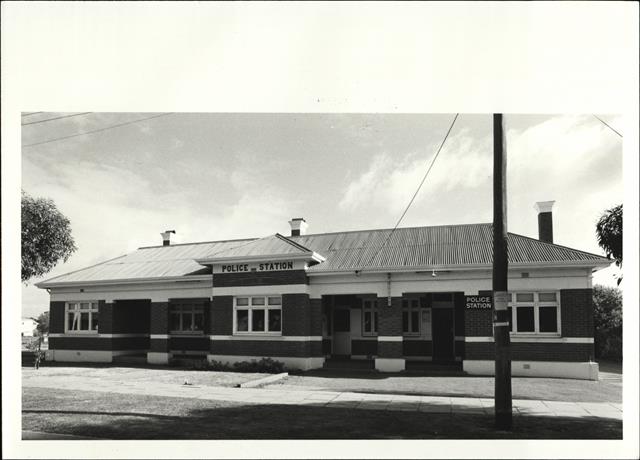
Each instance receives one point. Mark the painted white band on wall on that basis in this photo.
(388, 338)
(261, 290)
(272, 338)
(98, 336)
(501, 324)
(159, 336)
(535, 339)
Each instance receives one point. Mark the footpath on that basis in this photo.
(359, 401)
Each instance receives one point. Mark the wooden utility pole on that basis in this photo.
(503, 415)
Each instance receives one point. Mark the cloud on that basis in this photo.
(390, 182)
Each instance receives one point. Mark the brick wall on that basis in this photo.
(56, 317)
(390, 318)
(459, 312)
(478, 323)
(576, 312)
(266, 348)
(296, 314)
(159, 318)
(417, 348)
(260, 278)
(130, 316)
(315, 317)
(195, 343)
(222, 315)
(105, 317)
(80, 343)
(364, 347)
(534, 351)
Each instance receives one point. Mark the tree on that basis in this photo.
(607, 308)
(43, 323)
(609, 234)
(46, 236)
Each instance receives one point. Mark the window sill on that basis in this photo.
(525, 335)
(259, 334)
(81, 332)
(195, 333)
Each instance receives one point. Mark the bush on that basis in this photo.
(607, 308)
(264, 365)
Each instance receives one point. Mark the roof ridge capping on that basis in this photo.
(293, 243)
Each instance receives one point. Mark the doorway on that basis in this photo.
(342, 332)
(443, 335)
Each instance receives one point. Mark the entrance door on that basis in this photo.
(341, 332)
(443, 336)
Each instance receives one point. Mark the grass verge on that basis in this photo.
(121, 416)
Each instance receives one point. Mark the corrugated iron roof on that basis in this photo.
(410, 248)
(272, 244)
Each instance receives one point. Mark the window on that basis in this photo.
(411, 316)
(534, 313)
(81, 317)
(186, 317)
(258, 314)
(369, 317)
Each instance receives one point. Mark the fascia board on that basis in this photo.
(533, 265)
(174, 279)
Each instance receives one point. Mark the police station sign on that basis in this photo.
(479, 302)
(257, 267)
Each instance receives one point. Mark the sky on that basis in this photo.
(213, 176)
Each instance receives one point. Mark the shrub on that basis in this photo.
(264, 365)
(607, 306)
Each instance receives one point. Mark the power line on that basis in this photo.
(607, 125)
(30, 113)
(56, 118)
(96, 130)
(435, 157)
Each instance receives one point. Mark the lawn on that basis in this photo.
(150, 375)
(126, 416)
(464, 386)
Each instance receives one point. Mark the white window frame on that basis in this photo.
(373, 310)
(188, 308)
(536, 304)
(75, 307)
(250, 308)
(409, 309)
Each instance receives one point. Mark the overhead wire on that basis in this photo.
(607, 125)
(55, 118)
(433, 160)
(96, 130)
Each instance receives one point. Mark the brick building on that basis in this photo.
(416, 294)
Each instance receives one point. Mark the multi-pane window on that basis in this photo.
(534, 313)
(369, 317)
(186, 317)
(258, 314)
(411, 316)
(81, 317)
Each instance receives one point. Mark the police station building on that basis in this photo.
(415, 294)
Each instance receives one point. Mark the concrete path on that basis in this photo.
(362, 401)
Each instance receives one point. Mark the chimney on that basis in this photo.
(298, 226)
(545, 221)
(166, 236)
